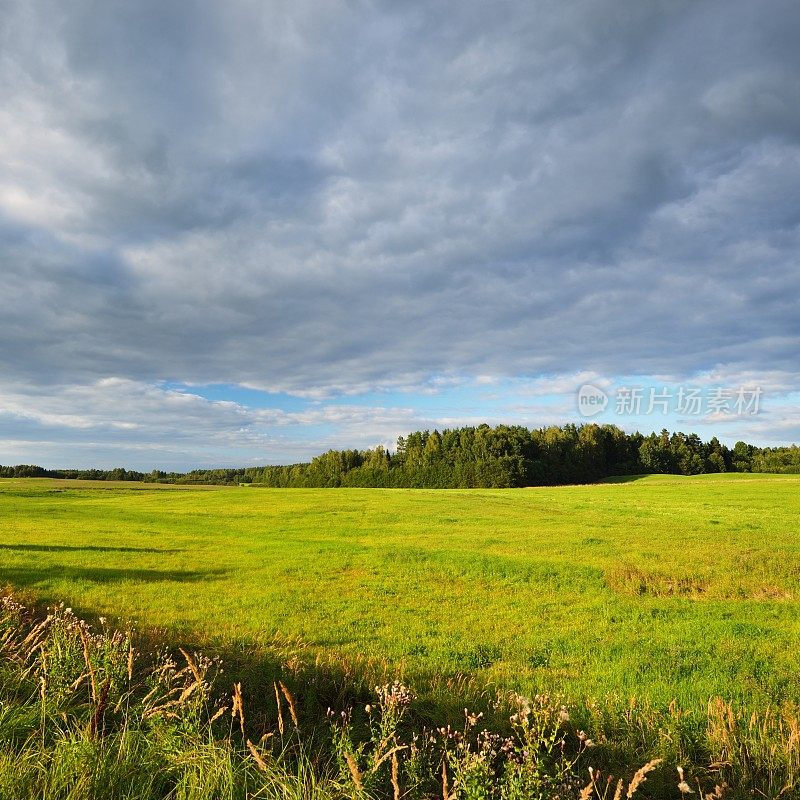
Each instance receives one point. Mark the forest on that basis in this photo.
(480, 457)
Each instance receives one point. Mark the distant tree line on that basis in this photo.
(482, 456)
(211, 476)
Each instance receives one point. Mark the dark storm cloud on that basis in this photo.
(310, 196)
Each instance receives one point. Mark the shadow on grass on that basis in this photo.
(89, 548)
(30, 577)
(623, 478)
(321, 682)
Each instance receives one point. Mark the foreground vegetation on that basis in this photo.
(482, 457)
(636, 603)
(85, 714)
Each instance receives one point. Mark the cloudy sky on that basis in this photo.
(245, 232)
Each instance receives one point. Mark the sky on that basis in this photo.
(247, 232)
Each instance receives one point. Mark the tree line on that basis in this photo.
(481, 457)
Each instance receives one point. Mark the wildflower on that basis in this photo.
(395, 695)
(472, 719)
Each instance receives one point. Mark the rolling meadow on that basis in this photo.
(636, 601)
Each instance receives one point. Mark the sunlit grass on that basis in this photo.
(658, 588)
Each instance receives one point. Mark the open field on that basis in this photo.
(660, 588)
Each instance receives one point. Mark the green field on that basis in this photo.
(660, 588)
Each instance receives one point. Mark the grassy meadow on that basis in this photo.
(660, 588)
